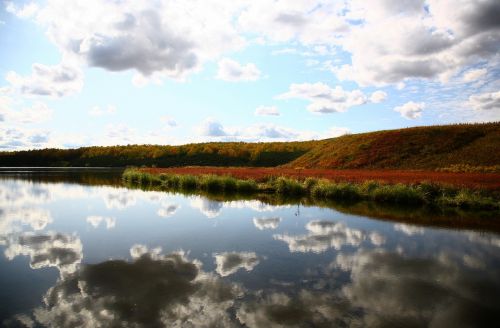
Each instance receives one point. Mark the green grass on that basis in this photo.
(320, 189)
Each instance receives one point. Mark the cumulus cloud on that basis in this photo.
(323, 98)
(232, 71)
(96, 220)
(485, 101)
(230, 262)
(211, 128)
(378, 96)
(411, 110)
(267, 111)
(157, 39)
(266, 223)
(262, 132)
(102, 111)
(38, 112)
(435, 39)
(26, 11)
(17, 138)
(310, 22)
(53, 81)
(323, 235)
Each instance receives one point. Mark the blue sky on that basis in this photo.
(77, 73)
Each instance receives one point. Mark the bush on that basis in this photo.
(287, 186)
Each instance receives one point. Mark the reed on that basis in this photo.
(426, 193)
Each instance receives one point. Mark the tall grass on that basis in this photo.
(321, 189)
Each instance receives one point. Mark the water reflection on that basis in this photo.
(261, 265)
(167, 210)
(230, 262)
(323, 235)
(46, 250)
(96, 220)
(266, 223)
(151, 290)
(396, 289)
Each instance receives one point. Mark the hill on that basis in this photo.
(428, 147)
(431, 147)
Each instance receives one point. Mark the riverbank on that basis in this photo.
(423, 193)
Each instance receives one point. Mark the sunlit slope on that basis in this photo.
(433, 147)
(430, 147)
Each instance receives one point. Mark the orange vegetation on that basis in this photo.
(471, 180)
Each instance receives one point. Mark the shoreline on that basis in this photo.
(424, 193)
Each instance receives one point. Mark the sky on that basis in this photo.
(88, 72)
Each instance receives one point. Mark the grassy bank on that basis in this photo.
(320, 189)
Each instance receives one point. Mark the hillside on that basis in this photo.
(430, 147)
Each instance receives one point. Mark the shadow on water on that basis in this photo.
(84, 176)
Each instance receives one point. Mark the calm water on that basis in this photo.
(77, 249)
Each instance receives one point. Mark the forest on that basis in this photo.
(460, 147)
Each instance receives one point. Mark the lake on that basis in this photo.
(78, 249)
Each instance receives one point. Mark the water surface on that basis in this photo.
(79, 249)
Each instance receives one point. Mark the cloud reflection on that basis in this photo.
(266, 223)
(152, 290)
(323, 235)
(230, 262)
(96, 220)
(47, 250)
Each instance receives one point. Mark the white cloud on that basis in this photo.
(473, 75)
(17, 138)
(211, 128)
(101, 111)
(411, 110)
(378, 97)
(323, 98)
(169, 121)
(37, 113)
(26, 11)
(267, 111)
(434, 39)
(230, 70)
(53, 81)
(485, 101)
(310, 22)
(158, 39)
(230, 262)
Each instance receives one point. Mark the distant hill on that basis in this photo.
(431, 147)
(428, 147)
(202, 154)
